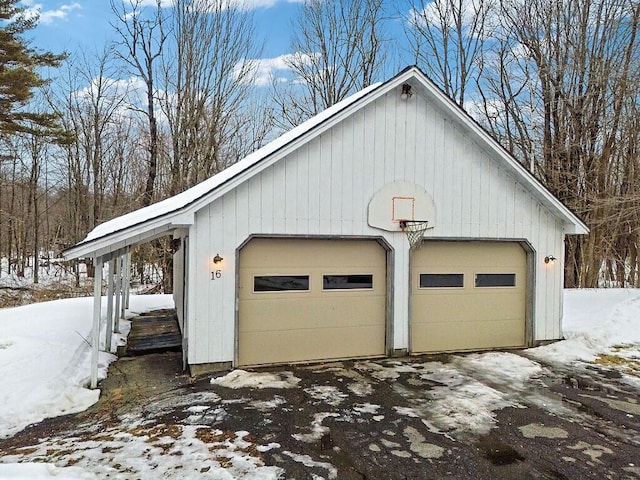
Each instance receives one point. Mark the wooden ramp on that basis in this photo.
(154, 331)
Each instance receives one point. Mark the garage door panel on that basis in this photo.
(284, 346)
(264, 315)
(468, 317)
(468, 335)
(295, 252)
(479, 254)
(464, 304)
(328, 321)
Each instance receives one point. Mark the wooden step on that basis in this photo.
(153, 332)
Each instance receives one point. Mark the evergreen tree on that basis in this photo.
(19, 76)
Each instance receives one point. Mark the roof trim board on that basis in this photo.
(178, 211)
(191, 199)
(481, 135)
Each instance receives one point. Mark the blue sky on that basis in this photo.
(72, 25)
(67, 25)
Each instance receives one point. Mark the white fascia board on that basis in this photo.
(108, 245)
(133, 235)
(182, 219)
(573, 224)
(114, 248)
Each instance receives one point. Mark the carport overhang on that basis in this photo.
(115, 247)
(109, 244)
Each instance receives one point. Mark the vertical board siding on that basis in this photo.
(254, 188)
(335, 164)
(225, 308)
(324, 187)
(401, 292)
(199, 280)
(359, 183)
(314, 193)
(265, 212)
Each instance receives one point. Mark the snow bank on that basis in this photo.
(45, 358)
(595, 320)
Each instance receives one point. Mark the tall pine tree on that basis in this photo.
(19, 76)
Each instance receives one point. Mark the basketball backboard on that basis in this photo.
(399, 201)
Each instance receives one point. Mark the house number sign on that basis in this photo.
(216, 275)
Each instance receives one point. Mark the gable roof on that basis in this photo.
(159, 218)
(573, 224)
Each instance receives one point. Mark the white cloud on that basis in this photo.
(153, 3)
(113, 87)
(270, 70)
(440, 13)
(127, 96)
(251, 4)
(49, 16)
(242, 4)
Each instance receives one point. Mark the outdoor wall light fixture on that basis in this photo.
(407, 91)
(549, 259)
(217, 259)
(174, 245)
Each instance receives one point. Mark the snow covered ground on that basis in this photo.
(596, 321)
(44, 368)
(45, 358)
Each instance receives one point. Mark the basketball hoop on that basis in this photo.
(414, 229)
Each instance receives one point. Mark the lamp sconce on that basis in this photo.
(217, 259)
(549, 259)
(407, 91)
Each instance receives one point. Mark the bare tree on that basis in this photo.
(10, 175)
(141, 42)
(72, 166)
(96, 109)
(558, 83)
(447, 40)
(585, 58)
(208, 83)
(91, 104)
(339, 49)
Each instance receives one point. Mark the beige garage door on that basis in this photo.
(467, 296)
(303, 299)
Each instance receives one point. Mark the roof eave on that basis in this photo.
(143, 232)
(133, 233)
(573, 224)
(88, 247)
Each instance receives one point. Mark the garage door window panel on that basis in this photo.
(493, 280)
(280, 283)
(347, 282)
(441, 280)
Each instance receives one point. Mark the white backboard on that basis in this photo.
(399, 201)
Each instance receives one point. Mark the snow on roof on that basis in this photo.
(187, 197)
(178, 203)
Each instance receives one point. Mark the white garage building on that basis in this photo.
(296, 253)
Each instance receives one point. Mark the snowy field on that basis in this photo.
(45, 365)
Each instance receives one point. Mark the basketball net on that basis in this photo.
(414, 229)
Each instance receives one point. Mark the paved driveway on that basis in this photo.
(477, 416)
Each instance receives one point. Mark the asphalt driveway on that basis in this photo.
(478, 416)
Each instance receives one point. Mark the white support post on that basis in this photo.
(95, 332)
(118, 272)
(125, 281)
(127, 272)
(110, 280)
